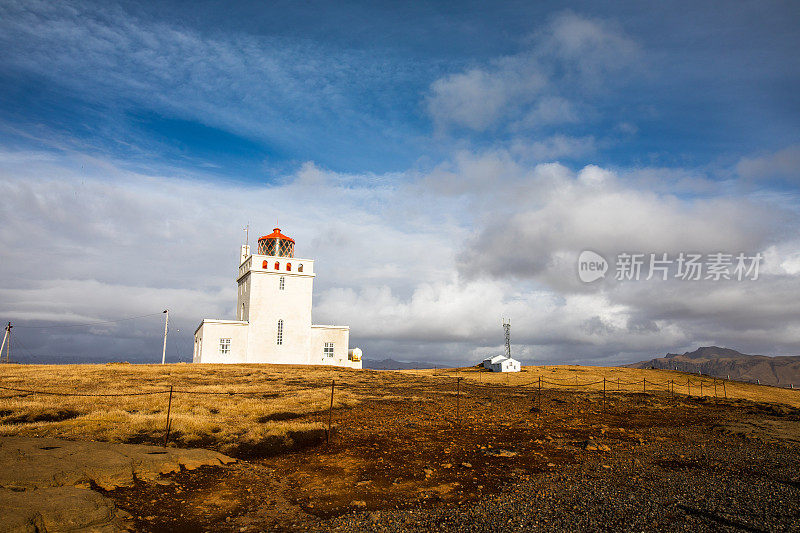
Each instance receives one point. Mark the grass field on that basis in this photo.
(261, 409)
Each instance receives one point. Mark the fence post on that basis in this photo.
(701, 387)
(715, 390)
(604, 394)
(458, 401)
(330, 414)
(169, 408)
(644, 385)
(540, 393)
(725, 392)
(618, 382)
(688, 388)
(672, 389)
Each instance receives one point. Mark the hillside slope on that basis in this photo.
(725, 362)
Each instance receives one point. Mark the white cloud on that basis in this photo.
(478, 98)
(553, 148)
(592, 48)
(571, 53)
(782, 165)
(563, 213)
(549, 110)
(419, 270)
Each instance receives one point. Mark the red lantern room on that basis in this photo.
(277, 244)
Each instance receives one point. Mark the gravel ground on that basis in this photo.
(744, 486)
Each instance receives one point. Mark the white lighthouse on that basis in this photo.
(273, 309)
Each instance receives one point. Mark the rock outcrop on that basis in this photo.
(45, 483)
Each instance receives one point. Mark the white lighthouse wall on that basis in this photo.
(266, 303)
(340, 337)
(207, 341)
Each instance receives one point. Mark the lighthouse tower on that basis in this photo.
(273, 306)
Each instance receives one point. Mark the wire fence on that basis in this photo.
(159, 391)
(452, 385)
(609, 385)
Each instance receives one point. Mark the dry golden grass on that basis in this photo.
(272, 406)
(269, 403)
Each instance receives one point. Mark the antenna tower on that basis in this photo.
(507, 329)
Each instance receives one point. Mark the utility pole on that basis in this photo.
(166, 325)
(6, 336)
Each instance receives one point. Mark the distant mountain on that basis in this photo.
(723, 362)
(391, 364)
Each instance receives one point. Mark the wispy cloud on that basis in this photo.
(278, 91)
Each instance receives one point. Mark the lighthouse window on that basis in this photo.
(286, 248)
(300, 268)
(288, 267)
(327, 351)
(282, 283)
(266, 247)
(224, 346)
(280, 332)
(277, 265)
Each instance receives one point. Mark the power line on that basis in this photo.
(16, 342)
(90, 323)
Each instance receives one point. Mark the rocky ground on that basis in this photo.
(502, 458)
(46, 484)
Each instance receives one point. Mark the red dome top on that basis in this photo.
(276, 244)
(276, 234)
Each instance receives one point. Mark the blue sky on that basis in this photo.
(132, 132)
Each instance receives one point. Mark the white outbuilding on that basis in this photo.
(501, 363)
(273, 308)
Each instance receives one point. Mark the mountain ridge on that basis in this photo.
(782, 371)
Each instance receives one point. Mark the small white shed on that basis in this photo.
(501, 363)
(489, 361)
